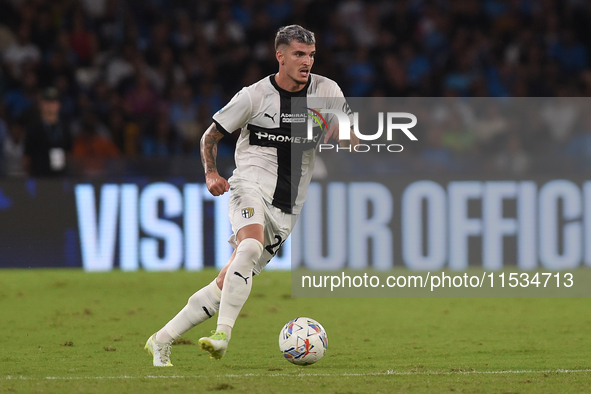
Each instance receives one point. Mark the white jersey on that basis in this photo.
(268, 155)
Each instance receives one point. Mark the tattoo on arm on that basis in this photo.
(209, 148)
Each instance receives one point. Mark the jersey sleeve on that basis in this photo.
(337, 101)
(235, 114)
(340, 103)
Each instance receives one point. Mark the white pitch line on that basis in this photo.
(302, 375)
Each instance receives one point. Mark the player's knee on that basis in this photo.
(220, 279)
(254, 231)
(194, 300)
(249, 250)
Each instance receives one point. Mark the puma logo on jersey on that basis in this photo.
(240, 275)
(247, 213)
(266, 115)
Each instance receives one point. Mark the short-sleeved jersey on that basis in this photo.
(268, 156)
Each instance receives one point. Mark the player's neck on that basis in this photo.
(288, 84)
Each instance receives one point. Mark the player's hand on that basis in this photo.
(216, 184)
(333, 132)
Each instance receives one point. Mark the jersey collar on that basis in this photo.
(299, 93)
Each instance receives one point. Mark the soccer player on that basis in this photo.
(267, 189)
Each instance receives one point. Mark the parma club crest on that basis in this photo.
(247, 213)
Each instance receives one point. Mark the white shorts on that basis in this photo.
(247, 206)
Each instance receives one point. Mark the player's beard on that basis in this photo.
(298, 79)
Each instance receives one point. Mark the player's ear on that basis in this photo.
(280, 57)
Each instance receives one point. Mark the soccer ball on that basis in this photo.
(303, 341)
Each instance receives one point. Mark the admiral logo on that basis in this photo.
(294, 118)
(247, 213)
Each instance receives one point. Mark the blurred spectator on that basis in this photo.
(461, 76)
(82, 41)
(361, 74)
(279, 10)
(43, 34)
(394, 78)
(8, 13)
(258, 34)
(532, 128)
(22, 51)
(223, 27)
(162, 140)
(435, 156)
(124, 134)
(95, 8)
(209, 98)
(22, 98)
(167, 73)
(7, 37)
(160, 39)
(365, 30)
(48, 141)
(456, 136)
(110, 24)
(101, 100)
(561, 116)
(514, 159)
(3, 137)
(242, 12)
(417, 65)
(491, 128)
(121, 66)
(56, 66)
(184, 35)
(13, 151)
(579, 147)
(92, 150)
(183, 114)
(570, 54)
(141, 101)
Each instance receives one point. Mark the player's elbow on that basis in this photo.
(208, 131)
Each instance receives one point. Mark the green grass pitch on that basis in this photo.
(66, 331)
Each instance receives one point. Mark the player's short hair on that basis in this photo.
(287, 34)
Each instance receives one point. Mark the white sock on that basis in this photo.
(201, 306)
(238, 283)
(225, 328)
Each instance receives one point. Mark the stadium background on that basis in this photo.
(139, 81)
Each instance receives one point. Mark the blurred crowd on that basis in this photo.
(141, 78)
